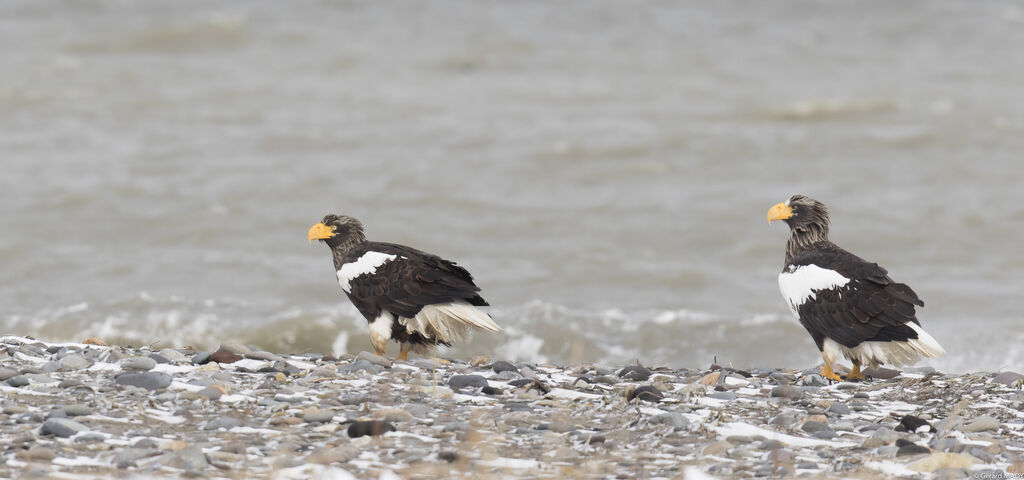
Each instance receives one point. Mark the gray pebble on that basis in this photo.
(826, 434)
(18, 381)
(783, 420)
(6, 373)
(1008, 378)
(77, 410)
(503, 366)
(138, 363)
(41, 378)
(173, 355)
(50, 367)
(812, 426)
(458, 382)
(158, 358)
(983, 423)
(126, 457)
(72, 362)
(147, 380)
(672, 419)
(201, 358)
(379, 360)
(605, 379)
(787, 391)
(61, 427)
(226, 423)
(881, 437)
(807, 465)
(815, 380)
(360, 365)
(839, 409)
(92, 437)
(191, 459)
(321, 416)
(723, 396)
(210, 393)
(784, 378)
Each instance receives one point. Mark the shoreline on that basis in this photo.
(77, 411)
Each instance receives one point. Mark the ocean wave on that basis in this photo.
(535, 331)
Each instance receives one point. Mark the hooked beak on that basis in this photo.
(780, 211)
(319, 232)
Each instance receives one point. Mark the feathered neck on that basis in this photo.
(805, 236)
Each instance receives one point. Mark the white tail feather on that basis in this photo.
(449, 322)
(890, 353)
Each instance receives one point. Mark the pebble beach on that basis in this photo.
(73, 410)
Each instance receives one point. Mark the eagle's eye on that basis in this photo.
(334, 227)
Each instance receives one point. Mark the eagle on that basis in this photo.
(851, 307)
(415, 298)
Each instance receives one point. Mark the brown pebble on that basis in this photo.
(224, 356)
(285, 421)
(176, 445)
(38, 453)
(372, 428)
(711, 378)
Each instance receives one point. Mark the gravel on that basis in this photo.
(312, 416)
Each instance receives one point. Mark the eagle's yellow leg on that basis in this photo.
(378, 352)
(404, 353)
(829, 374)
(856, 374)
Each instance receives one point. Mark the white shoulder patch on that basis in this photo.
(367, 263)
(797, 284)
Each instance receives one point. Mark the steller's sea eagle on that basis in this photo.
(849, 306)
(415, 298)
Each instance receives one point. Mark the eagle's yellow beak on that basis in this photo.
(780, 211)
(320, 232)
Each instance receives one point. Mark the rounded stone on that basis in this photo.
(637, 373)
(210, 393)
(372, 428)
(815, 380)
(138, 363)
(77, 410)
(458, 382)
(812, 426)
(226, 423)
(18, 381)
(39, 454)
(672, 419)
(983, 423)
(173, 355)
(839, 409)
(224, 356)
(318, 416)
(147, 380)
(6, 373)
(787, 391)
(503, 366)
(61, 427)
(73, 361)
